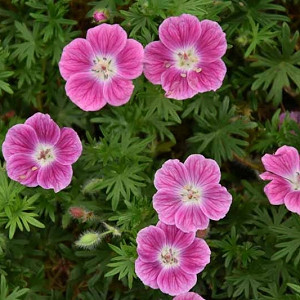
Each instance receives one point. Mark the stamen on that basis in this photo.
(34, 168)
(198, 70)
(183, 75)
(167, 65)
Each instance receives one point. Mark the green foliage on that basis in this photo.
(281, 66)
(4, 75)
(16, 211)
(123, 264)
(273, 133)
(290, 245)
(123, 160)
(4, 291)
(220, 132)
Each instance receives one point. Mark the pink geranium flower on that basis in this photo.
(189, 193)
(187, 59)
(283, 169)
(40, 153)
(170, 259)
(188, 296)
(100, 68)
(294, 115)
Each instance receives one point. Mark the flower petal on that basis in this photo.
(148, 272)
(150, 242)
(171, 175)
(202, 171)
(285, 162)
(19, 139)
(190, 218)
(176, 86)
(188, 296)
(175, 281)
(55, 176)
(86, 91)
(292, 202)
(215, 201)
(22, 168)
(69, 147)
(276, 190)
(269, 176)
(107, 39)
(130, 60)
(76, 57)
(179, 32)
(175, 237)
(118, 91)
(46, 129)
(157, 60)
(194, 258)
(209, 79)
(166, 202)
(212, 43)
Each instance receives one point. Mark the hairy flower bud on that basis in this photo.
(76, 212)
(80, 213)
(89, 240)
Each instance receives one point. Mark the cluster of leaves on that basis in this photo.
(255, 249)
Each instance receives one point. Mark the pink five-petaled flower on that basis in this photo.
(170, 259)
(188, 296)
(100, 68)
(283, 169)
(40, 153)
(187, 59)
(189, 193)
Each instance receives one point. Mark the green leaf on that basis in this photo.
(123, 263)
(281, 67)
(219, 133)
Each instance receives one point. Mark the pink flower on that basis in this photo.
(40, 153)
(188, 296)
(187, 59)
(293, 115)
(189, 193)
(283, 169)
(100, 16)
(170, 259)
(100, 68)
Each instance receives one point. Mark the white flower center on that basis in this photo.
(169, 257)
(190, 194)
(187, 60)
(104, 67)
(44, 154)
(296, 182)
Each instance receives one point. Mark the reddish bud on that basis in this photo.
(202, 233)
(77, 212)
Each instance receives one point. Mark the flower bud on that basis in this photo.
(202, 233)
(88, 240)
(100, 16)
(113, 230)
(76, 212)
(80, 213)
